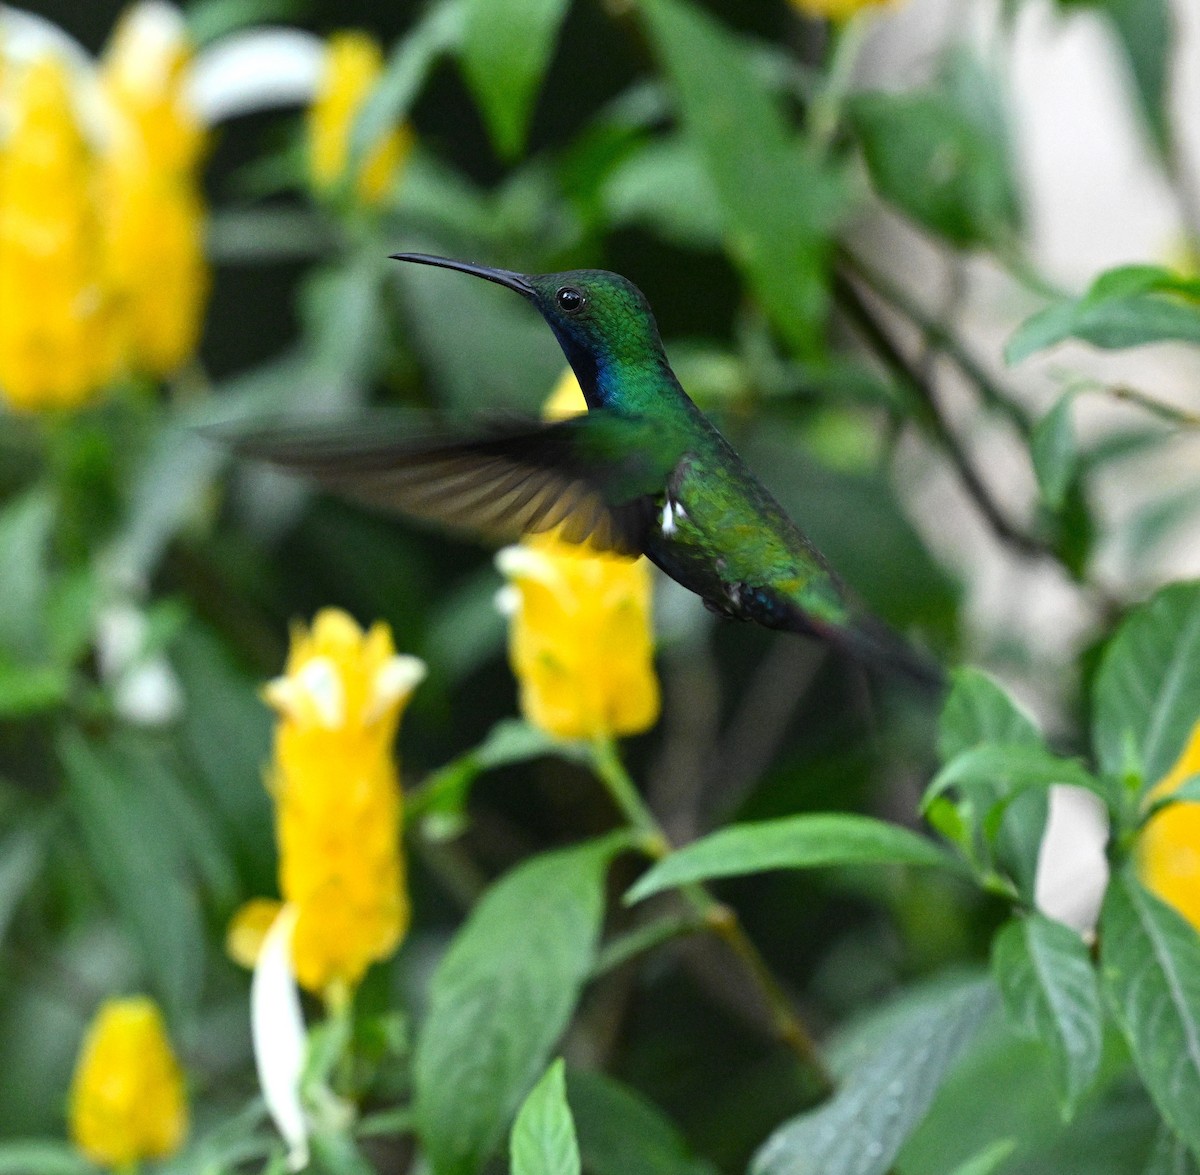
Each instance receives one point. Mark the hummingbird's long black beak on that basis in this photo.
(502, 277)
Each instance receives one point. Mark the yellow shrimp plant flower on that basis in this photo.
(149, 173)
(1168, 849)
(127, 1099)
(57, 343)
(580, 634)
(353, 64)
(337, 802)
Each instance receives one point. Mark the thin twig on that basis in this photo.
(881, 342)
(717, 917)
(945, 342)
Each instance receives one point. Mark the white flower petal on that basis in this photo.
(259, 69)
(507, 600)
(280, 1041)
(149, 694)
(1072, 870)
(25, 37)
(396, 679)
(151, 34)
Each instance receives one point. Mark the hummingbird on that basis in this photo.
(642, 472)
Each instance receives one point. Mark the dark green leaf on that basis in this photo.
(1144, 30)
(507, 45)
(793, 842)
(438, 30)
(25, 528)
(209, 20)
(1125, 307)
(942, 160)
(1147, 690)
(978, 710)
(1150, 960)
(1054, 452)
(621, 1133)
(780, 203)
(886, 1086)
(543, 1135)
(500, 999)
(1051, 994)
(136, 859)
(1170, 1156)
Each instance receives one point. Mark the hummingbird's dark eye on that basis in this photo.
(570, 300)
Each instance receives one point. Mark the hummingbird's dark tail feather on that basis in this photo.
(873, 644)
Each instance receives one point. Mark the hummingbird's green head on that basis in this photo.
(602, 321)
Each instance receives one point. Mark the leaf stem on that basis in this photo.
(721, 919)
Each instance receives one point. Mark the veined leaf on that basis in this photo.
(884, 1092)
(1125, 307)
(1052, 995)
(543, 1136)
(501, 997)
(1150, 960)
(793, 842)
(978, 710)
(1147, 691)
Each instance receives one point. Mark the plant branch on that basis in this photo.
(881, 342)
(715, 915)
(943, 341)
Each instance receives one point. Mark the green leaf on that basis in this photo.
(1144, 30)
(1150, 961)
(1001, 770)
(1054, 451)
(780, 203)
(928, 156)
(36, 1156)
(26, 690)
(26, 524)
(1170, 1156)
(136, 859)
(1052, 995)
(988, 1160)
(501, 997)
(438, 30)
(978, 710)
(885, 1088)
(543, 1136)
(1125, 307)
(1147, 690)
(643, 189)
(1188, 792)
(507, 45)
(792, 842)
(621, 1133)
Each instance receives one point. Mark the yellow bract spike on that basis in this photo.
(127, 1098)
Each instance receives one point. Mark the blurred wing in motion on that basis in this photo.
(593, 476)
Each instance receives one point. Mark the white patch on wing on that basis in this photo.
(671, 513)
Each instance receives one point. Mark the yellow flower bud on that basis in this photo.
(127, 1099)
(580, 636)
(154, 255)
(57, 343)
(353, 64)
(1168, 849)
(836, 10)
(338, 803)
